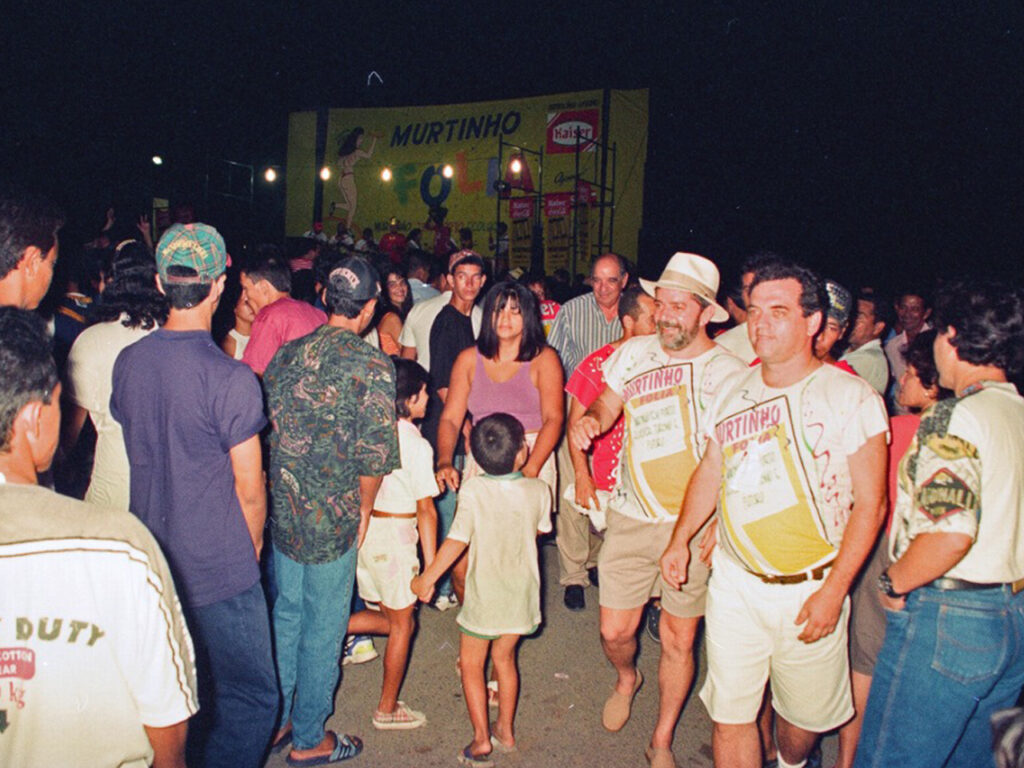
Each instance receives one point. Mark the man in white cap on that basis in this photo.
(794, 457)
(661, 384)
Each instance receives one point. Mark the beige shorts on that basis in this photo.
(388, 561)
(630, 573)
(751, 637)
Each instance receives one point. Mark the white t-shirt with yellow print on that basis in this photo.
(664, 399)
(786, 490)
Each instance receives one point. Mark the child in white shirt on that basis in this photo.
(498, 517)
(403, 512)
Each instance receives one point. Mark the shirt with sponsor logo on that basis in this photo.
(664, 400)
(93, 644)
(786, 490)
(964, 473)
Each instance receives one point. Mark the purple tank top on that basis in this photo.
(516, 397)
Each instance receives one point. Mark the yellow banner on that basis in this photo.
(403, 161)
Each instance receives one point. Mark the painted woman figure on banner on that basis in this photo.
(350, 152)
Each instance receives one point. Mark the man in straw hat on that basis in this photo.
(661, 384)
(795, 460)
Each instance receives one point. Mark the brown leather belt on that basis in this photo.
(815, 574)
(949, 584)
(400, 515)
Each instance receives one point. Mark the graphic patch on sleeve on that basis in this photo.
(945, 494)
(951, 447)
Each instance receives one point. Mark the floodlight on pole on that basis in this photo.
(325, 173)
(157, 160)
(270, 175)
(447, 171)
(385, 174)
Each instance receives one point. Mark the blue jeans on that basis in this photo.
(237, 685)
(445, 504)
(310, 618)
(950, 659)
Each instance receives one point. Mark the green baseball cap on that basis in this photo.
(196, 246)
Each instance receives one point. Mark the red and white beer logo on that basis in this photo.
(18, 662)
(565, 127)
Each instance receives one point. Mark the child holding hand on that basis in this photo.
(403, 513)
(498, 517)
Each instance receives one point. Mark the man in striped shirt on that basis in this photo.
(582, 326)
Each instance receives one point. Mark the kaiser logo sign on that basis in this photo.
(563, 128)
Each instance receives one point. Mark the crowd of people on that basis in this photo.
(292, 451)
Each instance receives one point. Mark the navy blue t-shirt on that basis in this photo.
(183, 405)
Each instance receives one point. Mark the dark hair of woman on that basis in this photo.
(131, 289)
(348, 146)
(533, 330)
(920, 355)
(384, 303)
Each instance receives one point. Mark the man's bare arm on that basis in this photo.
(867, 475)
(586, 494)
(408, 353)
(168, 744)
(698, 505)
(251, 487)
(597, 420)
(929, 557)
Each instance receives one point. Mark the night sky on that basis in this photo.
(876, 143)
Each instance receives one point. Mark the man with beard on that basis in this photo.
(661, 384)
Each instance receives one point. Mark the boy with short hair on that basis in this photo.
(499, 516)
(403, 512)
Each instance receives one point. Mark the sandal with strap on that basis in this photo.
(345, 747)
(499, 745)
(465, 757)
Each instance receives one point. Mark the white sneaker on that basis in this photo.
(444, 602)
(402, 719)
(358, 650)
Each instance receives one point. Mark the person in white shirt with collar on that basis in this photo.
(864, 353)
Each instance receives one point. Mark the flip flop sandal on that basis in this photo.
(282, 741)
(500, 745)
(345, 747)
(465, 757)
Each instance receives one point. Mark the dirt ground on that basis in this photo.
(564, 682)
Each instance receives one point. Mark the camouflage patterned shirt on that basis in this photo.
(331, 401)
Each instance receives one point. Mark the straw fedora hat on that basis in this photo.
(693, 273)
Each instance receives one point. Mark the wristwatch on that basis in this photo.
(885, 585)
